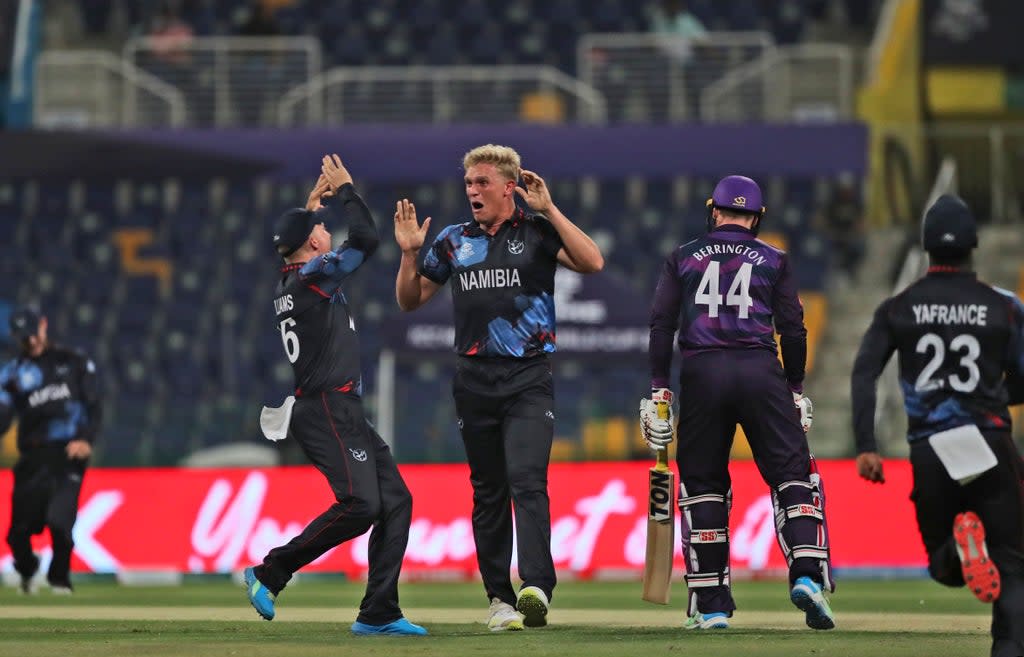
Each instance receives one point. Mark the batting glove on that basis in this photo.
(657, 431)
(805, 408)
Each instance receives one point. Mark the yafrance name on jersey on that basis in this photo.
(936, 313)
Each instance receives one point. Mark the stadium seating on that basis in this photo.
(443, 32)
(187, 363)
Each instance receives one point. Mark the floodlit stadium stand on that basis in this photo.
(168, 284)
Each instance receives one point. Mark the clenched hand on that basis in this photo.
(869, 466)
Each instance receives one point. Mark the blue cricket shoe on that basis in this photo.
(400, 627)
(808, 596)
(260, 597)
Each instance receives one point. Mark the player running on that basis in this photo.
(960, 344)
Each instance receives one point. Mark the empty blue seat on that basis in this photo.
(443, 46)
(11, 199)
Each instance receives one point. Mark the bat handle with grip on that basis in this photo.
(663, 414)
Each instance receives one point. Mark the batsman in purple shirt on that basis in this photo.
(726, 294)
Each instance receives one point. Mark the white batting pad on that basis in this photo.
(274, 420)
(964, 452)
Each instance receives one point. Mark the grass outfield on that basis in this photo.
(591, 619)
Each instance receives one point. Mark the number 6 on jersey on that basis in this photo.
(290, 339)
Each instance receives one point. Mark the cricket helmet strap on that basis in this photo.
(737, 194)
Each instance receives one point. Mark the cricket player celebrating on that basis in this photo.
(727, 293)
(326, 419)
(501, 265)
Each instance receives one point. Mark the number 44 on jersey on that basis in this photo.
(738, 295)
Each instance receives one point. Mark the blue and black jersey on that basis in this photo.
(502, 285)
(313, 317)
(961, 348)
(55, 396)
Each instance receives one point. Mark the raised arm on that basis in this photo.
(412, 289)
(579, 253)
(344, 201)
(341, 205)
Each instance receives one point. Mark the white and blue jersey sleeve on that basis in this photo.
(329, 270)
(437, 263)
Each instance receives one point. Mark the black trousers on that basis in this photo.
(997, 497)
(46, 489)
(717, 391)
(506, 415)
(368, 491)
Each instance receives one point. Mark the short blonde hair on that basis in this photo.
(505, 159)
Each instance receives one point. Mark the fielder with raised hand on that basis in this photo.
(502, 270)
(960, 345)
(726, 293)
(326, 416)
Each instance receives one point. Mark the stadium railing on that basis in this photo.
(227, 81)
(441, 94)
(264, 81)
(989, 157)
(812, 81)
(96, 88)
(657, 77)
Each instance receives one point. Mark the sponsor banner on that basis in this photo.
(221, 520)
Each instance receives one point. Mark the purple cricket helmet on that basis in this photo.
(739, 194)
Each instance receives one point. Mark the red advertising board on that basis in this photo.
(220, 520)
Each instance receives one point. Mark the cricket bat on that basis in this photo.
(661, 518)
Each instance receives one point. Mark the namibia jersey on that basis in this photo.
(56, 397)
(312, 315)
(502, 285)
(956, 338)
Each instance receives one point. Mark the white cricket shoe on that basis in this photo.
(533, 605)
(715, 620)
(504, 617)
